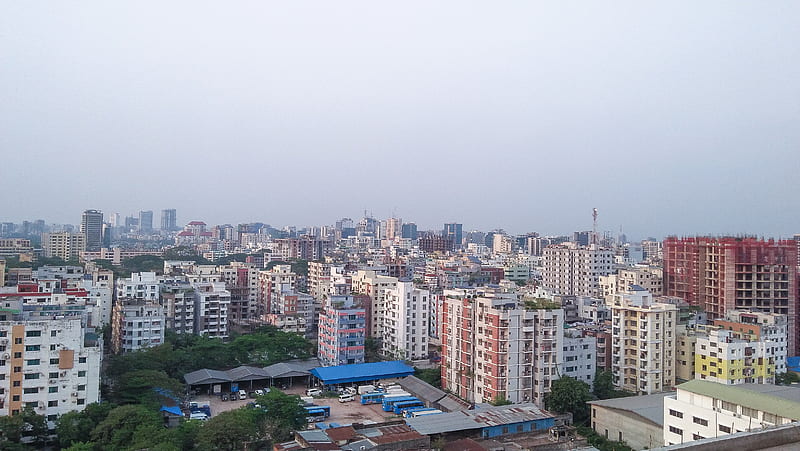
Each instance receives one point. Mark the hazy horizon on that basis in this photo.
(672, 118)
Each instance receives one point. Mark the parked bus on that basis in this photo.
(372, 398)
(317, 413)
(421, 413)
(388, 403)
(409, 413)
(400, 407)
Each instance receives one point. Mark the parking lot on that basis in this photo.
(342, 413)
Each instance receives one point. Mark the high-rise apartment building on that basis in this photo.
(48, 365)
(453, 231)
(169, 220)
(409, 230)
(137, 324)
(575, 270)
(342, 330)
(92, 229)
(64, 245)
(145, 221)
(500, 348)
(402, 322)
(393, 228)
(723, 274)
(643, 342)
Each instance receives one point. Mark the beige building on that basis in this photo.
(375, 286)
(649, 278)
(638, 420)
(64, 245)
(643, 342)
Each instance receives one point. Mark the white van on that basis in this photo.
(313, 392)
(198, 416)
(242, 394)
(347, 397)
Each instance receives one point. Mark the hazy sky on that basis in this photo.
(679, 117)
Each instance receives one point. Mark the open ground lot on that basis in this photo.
(342, 413)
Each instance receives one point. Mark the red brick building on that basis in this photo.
(722, 274)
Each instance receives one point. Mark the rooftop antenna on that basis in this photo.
(594, 226)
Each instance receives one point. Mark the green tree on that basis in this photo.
(10, 431)
(283, 414)
(138, 387)
(500, 400)
(568, 394)
(432, 376)
(603, 387)
(231, 430)
(123, 424)
(75, 427)
(786, 378)
(80, 446)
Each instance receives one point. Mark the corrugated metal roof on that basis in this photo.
(443, 422)
(421, 389)
(247, 373)
(517, 413)
(288, 369)
(206, 376)
(314, 436)
(451, 403)
(361, 372)
(749, 397)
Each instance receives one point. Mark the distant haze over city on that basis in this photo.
(672, 118)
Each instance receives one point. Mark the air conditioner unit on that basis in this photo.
(63, 374)
(6, 356)
(74, 394)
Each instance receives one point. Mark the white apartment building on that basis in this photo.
(271, 283)
(403, 322)
(702, 409)
(177, 299)
(643, 342)
(500, 347)
(375, 286)
(141, 285)
(580, 357)
(570, 269)
(211, 303)
(241, 279)
(319, 280)
(137, 324)
(47, 365)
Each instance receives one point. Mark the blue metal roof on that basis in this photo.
(359, 372)
(175, 410)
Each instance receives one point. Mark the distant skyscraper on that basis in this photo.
(453, 231)
(146, 221)
(393, 226)
(409, 230)
(92, 229)
(169, 219)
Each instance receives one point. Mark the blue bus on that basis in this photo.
(388, 403)
(409, 413)
(400, 407)
(372, 398)
(317, 413)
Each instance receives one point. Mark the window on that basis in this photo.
(17, 355)
(52, 417)
(81, 402)
(675, 430)
(53, 361)
(700, 421)
(81, 359)
(33, 333)
(81, 373)
(697, 437)
(53, 375)
(725, 429)
(52, 390)
(32, 362)
(32, 348)
(772, 418)
(30, 390)
(52, 403)
(32, 376)
(748, 412)
(18, 341)
(81, 387)
(675, 413)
